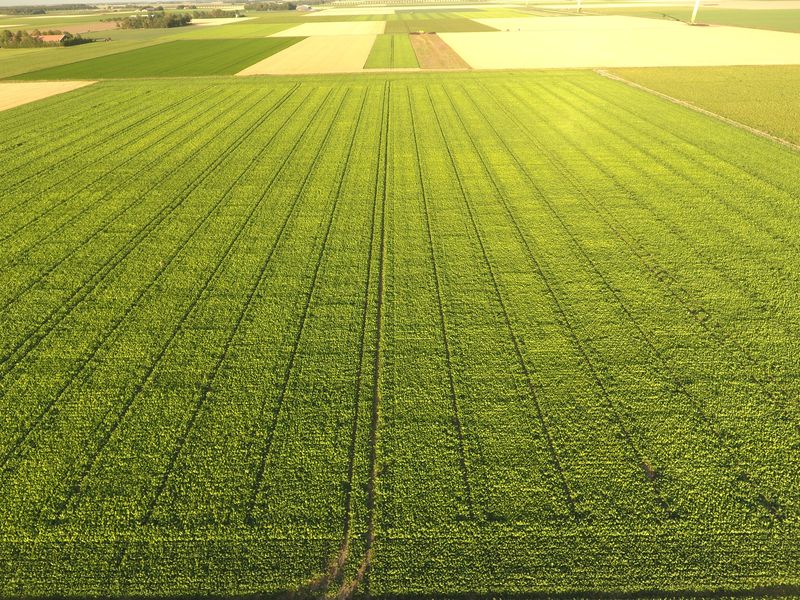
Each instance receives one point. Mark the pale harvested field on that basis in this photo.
(385, 10)
(737, 4)
(604, 23)
(212, 22)
(623, 42)
(334, 28)
(11, 25)
(318, 54)
(88, 27)
(17, 94)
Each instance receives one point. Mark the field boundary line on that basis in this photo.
(555, 460)
(212, 375)
(761, 223)
(658, 272)
(74, 493)
(59, 313)
(718, 327)
(179, 128)
(130, 123)
(442, 318)
(287, 376)
(703, 111)
(13, 449)
(706, 419)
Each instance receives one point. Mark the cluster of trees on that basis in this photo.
(275, 5)
(217, 13)
(32, 39)
(154, 20)
(41, 10)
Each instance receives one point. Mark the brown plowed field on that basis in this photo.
(433, 53)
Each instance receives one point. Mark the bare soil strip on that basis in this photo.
(434, 53)
(334, 28)
(17, 94)
(696, 108)
(318, 54)
(608, 42)
(213, 22)
(87, 27)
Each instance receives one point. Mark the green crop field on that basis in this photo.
(171, 59)
(468, 335)
(435, 25)
(767, 98)
(392, 51)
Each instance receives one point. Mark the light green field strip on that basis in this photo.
(243, 30)
(392, 51)
(16, 62)
(767, 98)
(257, 328)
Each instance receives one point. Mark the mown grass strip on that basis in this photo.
(392, 51)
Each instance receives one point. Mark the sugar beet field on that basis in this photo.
(456, 334)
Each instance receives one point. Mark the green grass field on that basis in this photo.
(469, 335)
(392, 51)
(767, 98)
(18, 61)
(181, 58)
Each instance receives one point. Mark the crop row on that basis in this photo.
(376, 328)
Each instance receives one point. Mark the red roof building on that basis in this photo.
(58, 38)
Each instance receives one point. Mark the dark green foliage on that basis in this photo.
(154, 20)
(171, 59)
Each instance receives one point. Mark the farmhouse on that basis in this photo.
(54, 38)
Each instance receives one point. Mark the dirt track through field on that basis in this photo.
(433, 53)
(598, 42)
(318, 54)
(87, 27)
(17, 94)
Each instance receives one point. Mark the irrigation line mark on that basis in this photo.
(117, 135)
(76, 489)
(697, 311)
(21, 254)
(442, 319)
(266, 450)
(699, 406)
(708, 113)
(760, 222)
(554, 458)
(110, 265)
(211, 378)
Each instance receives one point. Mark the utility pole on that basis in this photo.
(694, 12)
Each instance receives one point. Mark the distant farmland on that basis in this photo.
(468, 335)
